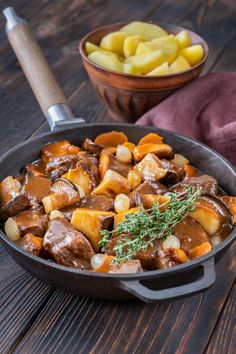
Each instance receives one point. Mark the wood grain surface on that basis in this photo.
(35, 318)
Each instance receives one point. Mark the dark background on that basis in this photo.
(35, 318)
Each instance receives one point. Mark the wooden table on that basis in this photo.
(35, 318)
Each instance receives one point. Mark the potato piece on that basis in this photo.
(161, 70)
(211, 214)
(146, 62)
(150, 168)
(151, 138)
(129, 145)
(106, 265)
(131, 43)
(31, 243)
(160, 150)
(180, 160)
(11, 229)
(109, 61)
(85, 175)
(180, 64)
(114, 42)
(201, 250)
(121, 216)
(91, 222)
(131, 69)
(112, 183)
(193, 54)
(134, 179)
(147, 200)
(112, 138)
(148, 30)
(58, 148)
(183, 39)
(168, 45)
(90, 48)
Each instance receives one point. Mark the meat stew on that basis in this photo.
(113, 206)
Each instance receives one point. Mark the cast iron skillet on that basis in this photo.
(150, 286)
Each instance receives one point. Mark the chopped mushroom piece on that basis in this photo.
(64, 194)
(91, 222)
(112, 183)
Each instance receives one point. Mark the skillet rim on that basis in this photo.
(139, 276)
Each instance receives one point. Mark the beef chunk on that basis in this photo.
(12, 201)
(68, 246)
(60, 165)
(190, 234)
(96, 202)
(152, 258)
(32, 221)
(147, 187)
(31, 243)
(174, 174)
(208, 185)
(36, 187)
(37, 168)
(118, 166)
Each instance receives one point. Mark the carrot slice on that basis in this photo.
(151, 138)
(129, 145)
(160, 150)
(201, 250)
(112, 138)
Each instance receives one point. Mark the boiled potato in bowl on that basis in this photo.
(145, 49)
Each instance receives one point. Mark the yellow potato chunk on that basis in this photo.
(180, 64)
(184, 40)
(90, 47)
(131, 43)
(193, 54)
(91, 222)
(148, 30)
(108, 61)
(114, 42)
(131, 69)
(146, 62)
(161, 70)
(168, 45)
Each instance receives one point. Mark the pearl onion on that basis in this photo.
(215, 241)
(123, 154)
(97, 260)
(180, 160)
(171, 242)
(122, 203)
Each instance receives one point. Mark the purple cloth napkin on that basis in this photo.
(205, 110)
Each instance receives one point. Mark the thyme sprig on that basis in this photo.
(147, 225)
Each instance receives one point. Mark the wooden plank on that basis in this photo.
(223, 339)
(72, 324)
(21, 299)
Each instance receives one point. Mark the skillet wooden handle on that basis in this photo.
(35, 67)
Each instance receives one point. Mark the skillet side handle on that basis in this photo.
(135, 288)
(34, 64)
